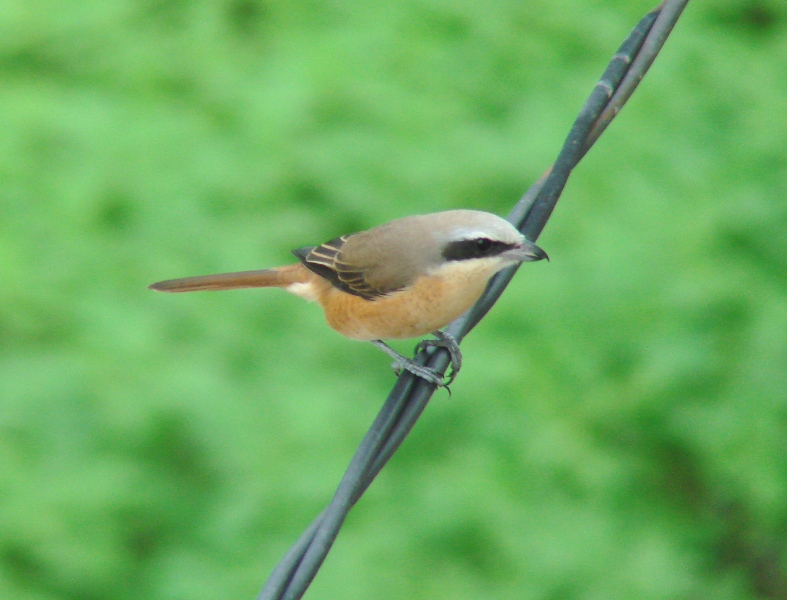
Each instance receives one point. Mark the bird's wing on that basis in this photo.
(328, 261)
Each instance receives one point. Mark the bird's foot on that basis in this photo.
(402, 363)
(432, 376)
(447, 341)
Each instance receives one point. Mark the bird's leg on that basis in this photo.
(447, 341)
(402, 362)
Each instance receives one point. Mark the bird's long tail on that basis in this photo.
(281, 277)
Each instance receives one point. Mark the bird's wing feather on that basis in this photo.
(328, 261)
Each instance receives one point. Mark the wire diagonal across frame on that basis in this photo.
(410, 395)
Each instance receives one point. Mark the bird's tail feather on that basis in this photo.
(281, 277)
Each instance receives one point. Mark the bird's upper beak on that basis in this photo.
(526, 252)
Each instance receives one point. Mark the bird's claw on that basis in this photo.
(447, 341)
(402, 363)
(430, 375)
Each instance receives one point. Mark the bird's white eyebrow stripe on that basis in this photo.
(463, 235)
(469, 234)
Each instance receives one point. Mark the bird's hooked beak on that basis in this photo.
(526, 252)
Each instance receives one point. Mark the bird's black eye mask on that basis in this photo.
(475, 248)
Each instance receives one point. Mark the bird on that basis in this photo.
(403, 279)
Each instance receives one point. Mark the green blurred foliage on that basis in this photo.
(619, 429)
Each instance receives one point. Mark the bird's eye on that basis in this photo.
(482, 244)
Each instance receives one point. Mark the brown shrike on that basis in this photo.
(400, 280)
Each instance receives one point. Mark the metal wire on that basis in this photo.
(410, 394)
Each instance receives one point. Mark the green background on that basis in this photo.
(619, 429)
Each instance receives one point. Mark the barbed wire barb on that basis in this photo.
(410, 395)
